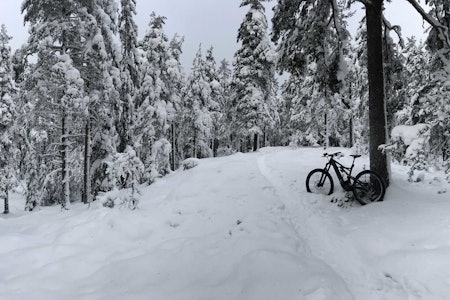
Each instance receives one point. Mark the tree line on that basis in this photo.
(90, 111)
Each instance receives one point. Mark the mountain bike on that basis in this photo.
(367, 186)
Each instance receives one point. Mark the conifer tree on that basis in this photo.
(212, 77)
(197, 115)
(7, 117)
(253, 79)
(102, 80)
(176, 83)
(225, 103)
(59, 86)
(156, 106)
(129, 73)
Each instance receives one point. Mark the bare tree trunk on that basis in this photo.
(172, 155)
(86, 197)
(377, 107)
(327, 130)
(255, 141)
(6, 211)
(194, 151)
(65, 201)
(350, 125)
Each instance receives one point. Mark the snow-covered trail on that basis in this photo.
(388, 250)
(237, 227)
(262, 254)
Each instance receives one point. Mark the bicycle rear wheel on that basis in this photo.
(319, 181)
(368, 187)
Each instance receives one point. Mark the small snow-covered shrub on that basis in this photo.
(124, 172)
(190, 163)
(116, 197)
(301, 139)
(412, 147)
(161, 156)
(225, 151)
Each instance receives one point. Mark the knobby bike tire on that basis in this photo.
(314, 184)
(368, 187)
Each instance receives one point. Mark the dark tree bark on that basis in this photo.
(172, 154)
(87, 163)
(377, 107)
(6, 211)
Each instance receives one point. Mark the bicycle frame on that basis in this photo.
(339, 169)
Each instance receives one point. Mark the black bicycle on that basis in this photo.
(367, 186)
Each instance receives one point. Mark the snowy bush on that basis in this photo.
(161, 156)
(190, 163)
(412, 147)
(124, 172)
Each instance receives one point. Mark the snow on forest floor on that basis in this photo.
(237, 227)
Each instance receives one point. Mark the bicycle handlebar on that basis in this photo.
(332, 154)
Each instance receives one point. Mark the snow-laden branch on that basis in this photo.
(340, 30)
(443, 30)
(396, 28)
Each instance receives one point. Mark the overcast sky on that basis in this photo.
(209, 22)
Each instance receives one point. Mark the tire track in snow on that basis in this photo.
(302, 230)
(313, 226)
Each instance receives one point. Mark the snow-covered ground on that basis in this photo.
(237, 227)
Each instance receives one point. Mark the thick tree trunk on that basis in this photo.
(377, 107)
(255, 142)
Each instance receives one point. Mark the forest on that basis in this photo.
(89, 111)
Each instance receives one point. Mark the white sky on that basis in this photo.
(209, 22)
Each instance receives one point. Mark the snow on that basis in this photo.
(408, 133)
(236, 227)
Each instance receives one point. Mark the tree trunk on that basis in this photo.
(327, 132)
(6, 211)
(65, 201)
(86, 197)
(255, 142)
(377, 107)
(350, 133)
(172, 155)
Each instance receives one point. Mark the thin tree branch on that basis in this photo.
(443, 30)
(366, 2)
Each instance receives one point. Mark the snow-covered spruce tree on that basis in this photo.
(124, 167)
(225, 103)
(176, 83)
(129, 73)
(157, 102)
(196, 114)
(7, 117)
(212, 77)
(100, 58)
(253, 84)
(55, 37)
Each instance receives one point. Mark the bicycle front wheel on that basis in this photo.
(319, 181)
(368, 187)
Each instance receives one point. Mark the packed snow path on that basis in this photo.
(237, 227)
